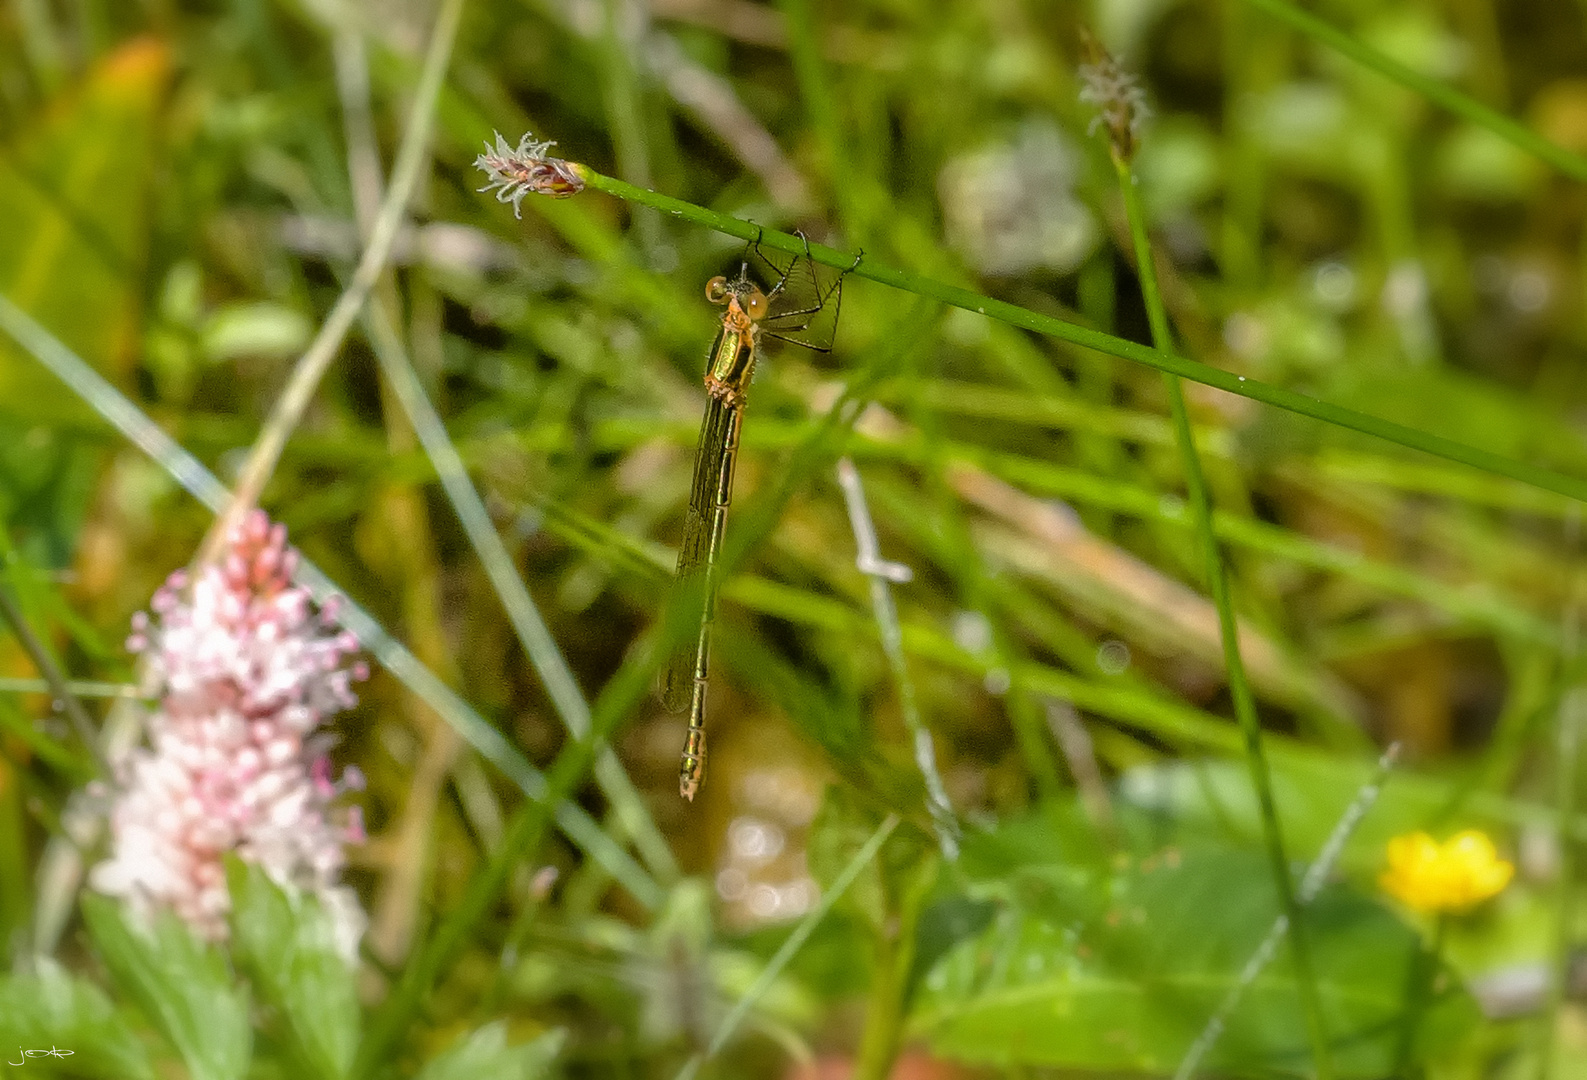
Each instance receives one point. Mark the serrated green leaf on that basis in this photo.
(183, 986)
(287, 946)
(485, 1053)
(56, 1012)
(1120, 966)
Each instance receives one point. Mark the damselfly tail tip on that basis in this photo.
(687, 786)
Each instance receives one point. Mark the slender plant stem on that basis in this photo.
(1218, 585)
(890, 971)
(1441, 94)
(815, 90)
(1424, 969)
(1569, 765)
(527, 622)
(306, 374)
(790, 947)
(1289, 400)
(880, 573)
(624, 105)
(1311, 885)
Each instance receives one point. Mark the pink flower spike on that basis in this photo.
(248, 672)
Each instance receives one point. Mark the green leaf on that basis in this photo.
(182, 985)
(1311, 795)
(1120, 965)
(55, 1011)
(485, 1053)
(286, 945)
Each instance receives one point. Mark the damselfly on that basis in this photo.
(800, 306)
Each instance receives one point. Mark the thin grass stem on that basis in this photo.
(1218, 585)
(881, 573)
(804, 52)
(1571, 708)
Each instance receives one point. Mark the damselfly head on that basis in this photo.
(751, 300)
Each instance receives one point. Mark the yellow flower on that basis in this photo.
(1459, 873)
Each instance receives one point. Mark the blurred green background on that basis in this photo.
(182, 188)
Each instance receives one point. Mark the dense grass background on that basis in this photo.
(182, 196)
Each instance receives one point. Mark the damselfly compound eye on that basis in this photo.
(755, 304)
(716, 290)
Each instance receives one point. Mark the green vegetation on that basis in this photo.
(1209, 454)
